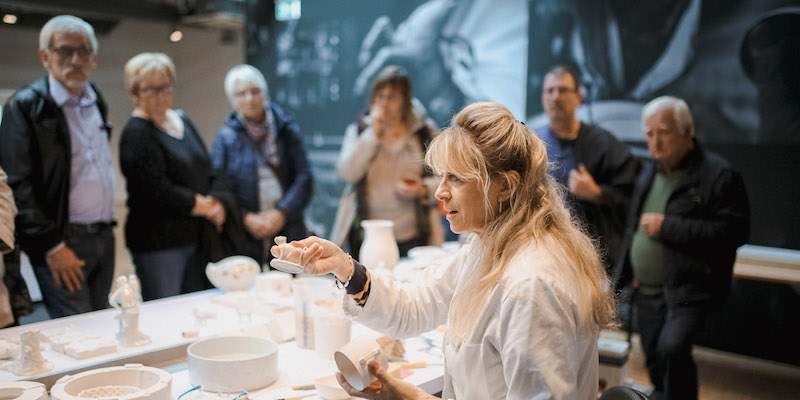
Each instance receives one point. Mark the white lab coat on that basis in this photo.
(528, 343)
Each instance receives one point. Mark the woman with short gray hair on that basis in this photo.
(261, 148)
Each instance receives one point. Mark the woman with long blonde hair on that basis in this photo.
(524, 300)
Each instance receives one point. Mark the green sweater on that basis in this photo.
(646, 251)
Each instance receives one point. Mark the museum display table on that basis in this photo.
(207, 314)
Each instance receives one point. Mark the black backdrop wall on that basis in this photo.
(735, 62)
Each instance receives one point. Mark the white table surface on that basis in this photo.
(164, 320)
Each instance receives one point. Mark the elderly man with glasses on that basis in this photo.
(54, 145)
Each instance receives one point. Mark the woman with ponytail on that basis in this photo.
(524, 300)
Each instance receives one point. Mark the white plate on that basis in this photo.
(427, 253)
(286, 266)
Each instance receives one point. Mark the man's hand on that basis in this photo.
(385, 388)
(650, 223)
(583, 186)
(66, 268)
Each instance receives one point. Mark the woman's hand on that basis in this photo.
(217, 213)
(386, 387)
(255, 225)
(318, 256)
(209, 208)
(411, 188)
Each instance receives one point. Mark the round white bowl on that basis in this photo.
(233, 273)
(228, 364)
(131, 382)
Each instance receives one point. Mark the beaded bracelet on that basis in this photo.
(343, 285)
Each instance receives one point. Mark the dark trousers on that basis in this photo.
(96, 249)
(169, 272)
(667, 333)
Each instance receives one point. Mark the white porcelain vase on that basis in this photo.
(379, 249)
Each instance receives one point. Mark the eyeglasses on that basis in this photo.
(67, 52)
(156, 90)
(562, 90)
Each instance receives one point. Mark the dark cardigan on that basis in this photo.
(163, 175)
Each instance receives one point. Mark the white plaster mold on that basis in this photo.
(130, 382)
(30, 361)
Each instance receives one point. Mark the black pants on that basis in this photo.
(667, 334)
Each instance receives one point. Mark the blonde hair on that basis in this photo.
(484, 143)
(142, 64)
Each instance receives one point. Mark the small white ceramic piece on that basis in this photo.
(280, 263)
(329, 389)
(47, 334)
(379, 250)
(23, 390)
(331, 327)
(90, 348)
(124, 300)
(352, 359)
(136, 286)
(274, 282)
(131, 382)
(286, 266)
(30, 361)
(9, 348)
(233, 273)
(226, 364)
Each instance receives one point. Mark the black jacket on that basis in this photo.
(615, 169)
(36, 153)
(707, 217)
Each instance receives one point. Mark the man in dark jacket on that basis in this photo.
(54, 147)
(689, 214)
(598, 170)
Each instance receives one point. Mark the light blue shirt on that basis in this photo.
(92, 179)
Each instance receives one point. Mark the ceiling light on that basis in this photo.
(176, 36)
(10, 19)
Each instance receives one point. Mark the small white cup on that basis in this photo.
(331, 327)
(352, 359)
(305, 292)
(275, 282)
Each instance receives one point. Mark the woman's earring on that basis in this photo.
(501, 207)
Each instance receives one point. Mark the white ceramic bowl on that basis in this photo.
(228, 364)
(329, 389)
(131, 382)
(233, 273)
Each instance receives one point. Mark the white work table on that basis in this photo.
(165, 320)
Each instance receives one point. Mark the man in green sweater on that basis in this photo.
(689, 214)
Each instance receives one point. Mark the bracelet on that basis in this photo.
(343, 285)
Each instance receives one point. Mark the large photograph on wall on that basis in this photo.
(734, 62)
(321, 66)
(737, 65)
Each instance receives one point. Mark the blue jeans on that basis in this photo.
(169, 272)
(96, 249)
